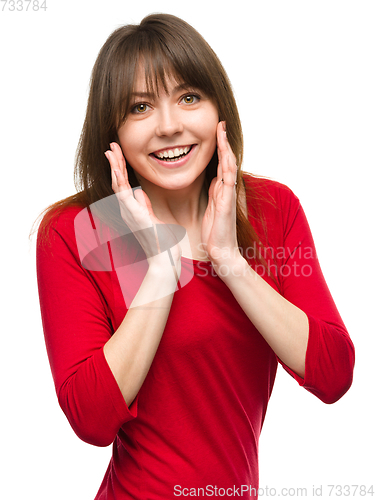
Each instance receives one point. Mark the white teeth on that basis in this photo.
(169, 153)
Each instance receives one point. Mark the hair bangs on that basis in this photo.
(172, 62)
(157, 59)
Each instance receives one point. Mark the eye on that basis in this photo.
(190, 99)
(140, 108)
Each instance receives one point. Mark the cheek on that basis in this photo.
(210, 124)
(206, 128)
(130, 141)
(212, 134)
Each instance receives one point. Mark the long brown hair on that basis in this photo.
(166, 46)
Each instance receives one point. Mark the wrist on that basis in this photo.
(231, 268)
(165, 265)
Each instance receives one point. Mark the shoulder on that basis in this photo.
(267, 196)
(57, 225)
(262, 188)
(272, 206)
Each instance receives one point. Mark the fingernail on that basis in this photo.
(224, 126)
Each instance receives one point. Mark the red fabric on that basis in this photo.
(196, 420)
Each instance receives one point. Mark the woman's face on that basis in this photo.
(169, 139)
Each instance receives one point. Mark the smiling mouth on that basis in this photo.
(174, 154)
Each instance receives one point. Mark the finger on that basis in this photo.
(209, 212)
(211, 192)
(114, 183)
(119, 181)
(116, 149)
(229, 182)
(220, 147)
(215, 189)
(229, 167)
(144, 200)
(114, 169)
(226, 144)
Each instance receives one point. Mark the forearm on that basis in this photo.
(131, 349)
(283, 325)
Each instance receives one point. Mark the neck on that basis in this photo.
(185, 206)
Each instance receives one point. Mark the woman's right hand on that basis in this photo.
(131, 349)
(137, 213)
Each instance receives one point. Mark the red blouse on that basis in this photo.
(196, 420)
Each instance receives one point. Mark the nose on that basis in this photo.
(168, 122)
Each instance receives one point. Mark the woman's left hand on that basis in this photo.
(218, 231)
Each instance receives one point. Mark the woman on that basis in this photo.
(166, 314)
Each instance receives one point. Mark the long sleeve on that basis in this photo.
(292, 257)
(77, 323)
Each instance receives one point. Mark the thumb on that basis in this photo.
(143, 199)
(211, 191)
(209, 212)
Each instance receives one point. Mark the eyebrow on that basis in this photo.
(178, 88)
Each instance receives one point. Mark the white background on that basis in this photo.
(304, 78)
